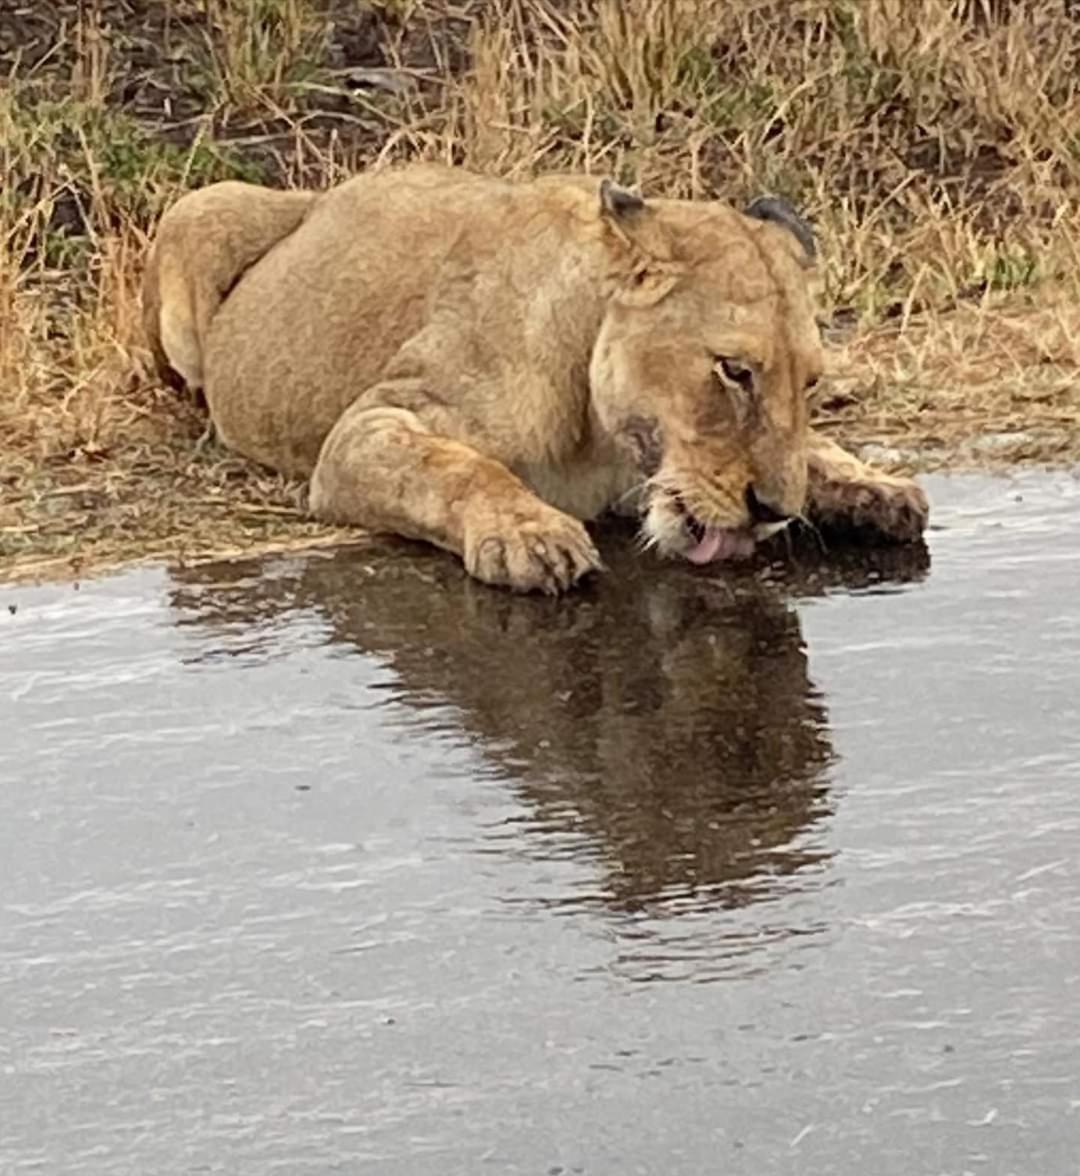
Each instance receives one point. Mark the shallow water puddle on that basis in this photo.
(344, 864)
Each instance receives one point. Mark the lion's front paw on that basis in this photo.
(534, 549)
(875, 508)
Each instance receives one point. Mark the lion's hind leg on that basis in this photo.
(847, 497)
(203, 245)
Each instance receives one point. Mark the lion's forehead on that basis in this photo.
(750, 258)
(767, 330)
(751, 275)
(761, 295)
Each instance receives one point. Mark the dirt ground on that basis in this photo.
(937, 152)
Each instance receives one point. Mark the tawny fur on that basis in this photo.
(483, 365)
(202, 246)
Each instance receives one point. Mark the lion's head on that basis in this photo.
(702, 366)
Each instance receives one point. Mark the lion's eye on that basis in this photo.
(735, 372)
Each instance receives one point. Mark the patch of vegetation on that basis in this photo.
(75, 171)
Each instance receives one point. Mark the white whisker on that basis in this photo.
(633, 491)
(803, 518)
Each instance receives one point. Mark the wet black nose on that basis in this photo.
(761, 511)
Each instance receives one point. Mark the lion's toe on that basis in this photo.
(885, 509)
(547, 555)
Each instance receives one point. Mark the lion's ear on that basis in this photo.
(619, 203)
(645, 248)
(634, 223)
(777, 210)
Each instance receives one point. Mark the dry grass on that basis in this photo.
(935, 143)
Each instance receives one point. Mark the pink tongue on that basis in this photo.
(718, 543)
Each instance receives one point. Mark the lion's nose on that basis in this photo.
(762, 511)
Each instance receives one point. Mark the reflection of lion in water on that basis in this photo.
(483, 365)
(670, 722)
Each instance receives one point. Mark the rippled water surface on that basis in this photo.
(340, 863)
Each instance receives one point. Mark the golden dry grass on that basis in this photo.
(934, 143)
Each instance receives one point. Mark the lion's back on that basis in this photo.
(316, 321)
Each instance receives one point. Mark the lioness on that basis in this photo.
(484, 364)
